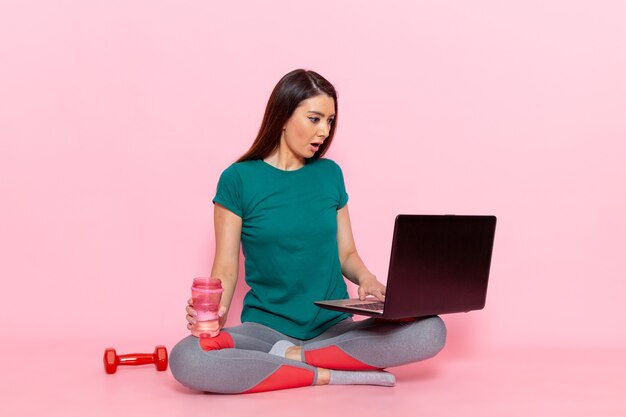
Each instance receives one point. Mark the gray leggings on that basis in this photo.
(237, 361)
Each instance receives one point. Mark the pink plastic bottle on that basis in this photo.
(206, 294)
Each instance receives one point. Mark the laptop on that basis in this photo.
(439, 264)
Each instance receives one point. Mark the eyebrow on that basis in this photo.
(320, 113)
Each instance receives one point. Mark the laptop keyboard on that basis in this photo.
(375, 306)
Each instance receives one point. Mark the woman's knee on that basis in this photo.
(191, 365)
(182, 359)
(439, 332)
(435, 331)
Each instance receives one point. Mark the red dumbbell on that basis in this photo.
(112, 360)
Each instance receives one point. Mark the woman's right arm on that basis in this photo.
(226, 260)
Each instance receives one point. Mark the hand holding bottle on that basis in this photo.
(191, 315)
(204, 307)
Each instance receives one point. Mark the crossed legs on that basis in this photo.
(237, 361)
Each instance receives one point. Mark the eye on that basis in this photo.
(331, 121)
(314, 119)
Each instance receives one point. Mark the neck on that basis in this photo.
(281, 158)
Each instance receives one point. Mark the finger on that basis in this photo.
(190, 319)
(362, 293)
(222, 311)
(189, 326)
(222, 322)
(191, 311)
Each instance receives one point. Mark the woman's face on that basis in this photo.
(309, 126)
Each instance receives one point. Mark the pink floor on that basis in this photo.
(47, 378)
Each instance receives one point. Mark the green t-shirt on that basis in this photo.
(289, 240)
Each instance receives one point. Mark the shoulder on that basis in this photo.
(239, 169)
(325, 163)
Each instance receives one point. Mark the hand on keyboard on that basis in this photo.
(369, 285)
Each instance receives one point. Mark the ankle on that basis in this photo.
(323, 376)
(294, 353)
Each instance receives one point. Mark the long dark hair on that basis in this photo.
(292, 89)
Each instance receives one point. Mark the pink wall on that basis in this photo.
(116, 119)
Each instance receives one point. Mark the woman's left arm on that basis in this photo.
(352, 265)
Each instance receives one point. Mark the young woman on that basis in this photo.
(287, 207)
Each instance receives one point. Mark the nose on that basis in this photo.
(323, 131)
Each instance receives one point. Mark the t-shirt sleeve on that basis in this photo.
(343, 195)
(229, 190)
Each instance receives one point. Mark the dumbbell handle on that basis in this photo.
(136, 359)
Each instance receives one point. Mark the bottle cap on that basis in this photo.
(207, 284)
